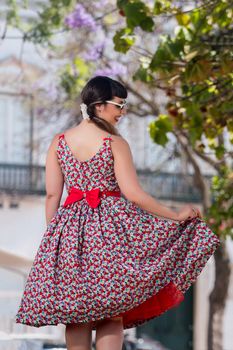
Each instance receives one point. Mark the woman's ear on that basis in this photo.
(99, 108)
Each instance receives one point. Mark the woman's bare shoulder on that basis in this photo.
(119, 146)
(55, 140)
(71, 131)
(119, 141)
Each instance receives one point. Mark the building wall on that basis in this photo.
(21, 232)
(14, 130)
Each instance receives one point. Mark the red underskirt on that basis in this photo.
(168, 297)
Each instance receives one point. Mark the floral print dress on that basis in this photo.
(110, 258)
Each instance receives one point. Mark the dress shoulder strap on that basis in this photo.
(108, 137)
(59, 144)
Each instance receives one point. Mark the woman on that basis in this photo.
(112, 256)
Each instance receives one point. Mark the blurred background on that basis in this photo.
(175, 58)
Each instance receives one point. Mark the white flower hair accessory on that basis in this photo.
(83, 108)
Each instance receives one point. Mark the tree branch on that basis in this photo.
(199, 179)
(214, 163)
(210, 161)
(154, 108)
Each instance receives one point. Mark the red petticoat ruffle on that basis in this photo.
(168, 297)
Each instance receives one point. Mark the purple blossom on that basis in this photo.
(47, 87)
(52, 91)
(95, 52)
(40, 110)
(114, 70)
(80, 18)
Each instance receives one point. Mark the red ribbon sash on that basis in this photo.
(92, 197)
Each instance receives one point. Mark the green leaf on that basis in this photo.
(157, 137)
(81, 66)
(219, 151)
(164, 123)
(121, 3)
(147, 24)
(183, 19)
(137, 15)
(162, 59)
(184, 34)
(159, 128)
(66, 2)
(231, 137)
(169, 50)
(162, 6)
(123, 40)
(195, 135)
(143, 75)
(212, 142)
(56, 19)
(176, 47)
(68, 82)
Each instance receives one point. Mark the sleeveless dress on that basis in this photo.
(114, 259)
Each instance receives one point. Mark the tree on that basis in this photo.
(194, 66)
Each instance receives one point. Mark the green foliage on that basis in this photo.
(143, 75)
(162, 6)
(203, 67)
(196, 61)
(137, 14)
(220, 213)
(123, 40)
(51, 17)
(168, 51)
(74, 77)
(159, 128)
(13, 13)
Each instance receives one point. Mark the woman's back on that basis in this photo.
(86, 159)
(84, 141)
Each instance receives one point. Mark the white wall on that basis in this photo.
(14, 130)
(21, 232)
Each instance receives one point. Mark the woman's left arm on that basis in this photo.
(54, 181)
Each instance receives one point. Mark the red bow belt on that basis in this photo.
(92, 196)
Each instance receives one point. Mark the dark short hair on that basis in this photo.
(101, 88)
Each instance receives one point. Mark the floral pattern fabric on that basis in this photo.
(113, 260)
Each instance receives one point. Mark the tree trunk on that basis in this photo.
(218, 297)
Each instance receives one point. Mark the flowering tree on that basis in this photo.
(194, 66)
(191, 65)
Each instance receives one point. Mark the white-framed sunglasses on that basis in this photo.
(119, 105)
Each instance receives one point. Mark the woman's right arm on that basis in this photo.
(127, 179)
(54, 181)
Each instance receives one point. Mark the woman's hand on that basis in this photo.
(188, 212)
